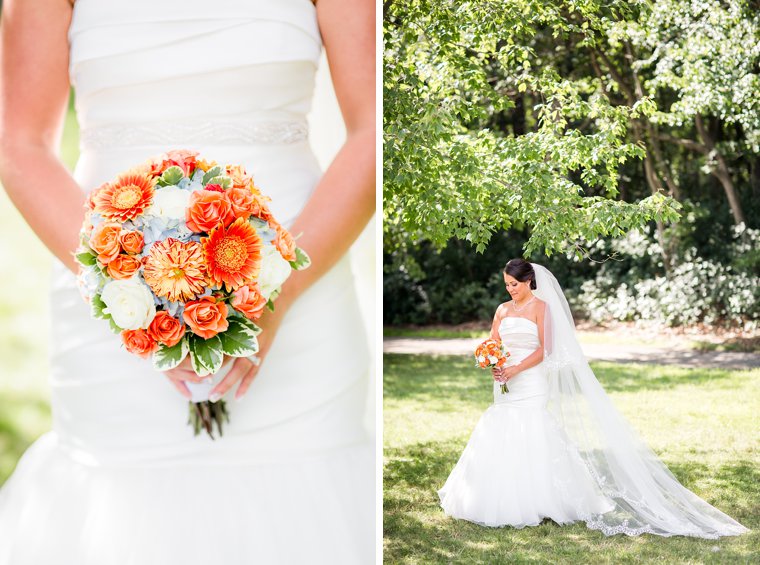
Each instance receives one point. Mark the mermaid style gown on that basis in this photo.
(518, 467)
(121, 479)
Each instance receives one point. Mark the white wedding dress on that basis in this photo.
(518, 467)
(121, 480)
(554, 446)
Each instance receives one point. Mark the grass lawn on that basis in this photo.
(703, 423)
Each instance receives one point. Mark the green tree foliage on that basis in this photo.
(450, 68)
(531, 128)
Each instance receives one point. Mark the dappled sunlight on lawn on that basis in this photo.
(699, 421)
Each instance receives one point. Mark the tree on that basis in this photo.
(449, 70)
(704, 54)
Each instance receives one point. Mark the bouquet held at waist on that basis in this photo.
(181, 256)
(492, 353)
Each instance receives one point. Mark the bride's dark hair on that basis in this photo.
(521, 270)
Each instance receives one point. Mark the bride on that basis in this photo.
(121, 479)
(554, 446)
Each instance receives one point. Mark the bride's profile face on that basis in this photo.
(516, 289)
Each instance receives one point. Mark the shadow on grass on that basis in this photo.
(417, 531)
(443, 378)
(427, 376)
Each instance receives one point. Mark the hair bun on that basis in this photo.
(521, 270)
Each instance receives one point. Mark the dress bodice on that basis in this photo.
(519, 335)
(192, 62)
(231, 79)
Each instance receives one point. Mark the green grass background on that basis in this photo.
(25, 323)
(702, 423)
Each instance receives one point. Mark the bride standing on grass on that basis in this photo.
(121, 479)
(554, 446)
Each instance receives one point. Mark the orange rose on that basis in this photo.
(248, 300)
(285, 244)
(240, 179)
(206, 209)
(123, 266)
(260, 208)
(139, 342)
(105, 241)
(166, 329)
(182, 158)
(131, 241)
(206, 317)
(241, 201)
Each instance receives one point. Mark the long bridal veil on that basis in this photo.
(645, 496)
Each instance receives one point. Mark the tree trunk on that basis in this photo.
(721, 172)
(655, 187)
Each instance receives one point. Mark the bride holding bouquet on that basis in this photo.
(121, 478)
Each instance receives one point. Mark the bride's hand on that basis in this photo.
(244, 370)
(183, 373)
(497, 373)
(505, 373)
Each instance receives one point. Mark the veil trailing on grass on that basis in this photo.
(645, 496)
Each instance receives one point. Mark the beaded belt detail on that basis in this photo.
(172, 134)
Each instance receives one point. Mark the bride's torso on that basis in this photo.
(232, 79)
(520, 337)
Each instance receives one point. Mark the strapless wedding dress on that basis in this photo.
(519, 467)
(121, 480)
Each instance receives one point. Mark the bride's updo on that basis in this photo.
(521, 270)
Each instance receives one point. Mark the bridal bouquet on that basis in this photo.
(181, 256)
(492, 353)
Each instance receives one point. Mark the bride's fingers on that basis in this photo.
(181, 387)
(246, 381)
(185, 375)
(239, 368)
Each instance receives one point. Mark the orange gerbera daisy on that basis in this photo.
(175, 269)
(126, 198)
(233, 254)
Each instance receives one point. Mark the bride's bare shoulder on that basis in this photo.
(538, 308)
(501, 310)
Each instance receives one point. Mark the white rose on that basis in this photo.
(169, 202)
(129, 302)
(274, 270)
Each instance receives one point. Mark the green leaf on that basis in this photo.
(166, 358)
(86, 259)
(114, 328)
(240, 338)
(302, 260)
(224, 182)
(171, 176)
(97, 306)
(210, 174)
(206, 355)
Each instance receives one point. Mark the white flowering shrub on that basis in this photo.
(697, 290)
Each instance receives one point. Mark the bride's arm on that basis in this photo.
(344, 200)
(34, 91)
(498, 315)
